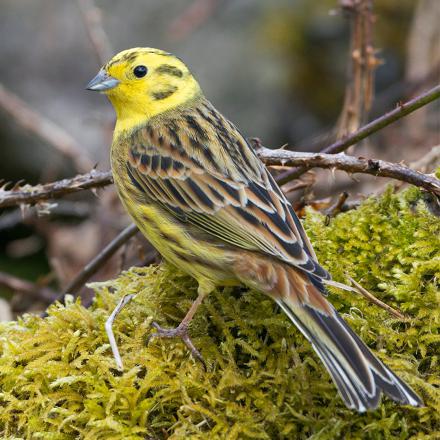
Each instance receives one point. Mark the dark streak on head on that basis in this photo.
(168, 69)
(128, 57)
(132, 55)
(163, 93)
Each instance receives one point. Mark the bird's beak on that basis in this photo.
(102, 82)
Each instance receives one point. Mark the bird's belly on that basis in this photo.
(190, 253)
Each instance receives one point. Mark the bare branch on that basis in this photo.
(92, 18)
(351, 164)
(45, 129)
(362, 65)
(372, 127)
(23, 286)
(95, 179)
(98, 261)
(28, 194)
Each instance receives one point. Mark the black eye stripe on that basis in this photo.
(140, 71)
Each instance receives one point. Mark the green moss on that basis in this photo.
(58, 378)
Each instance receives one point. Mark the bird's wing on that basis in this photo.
(207, 175)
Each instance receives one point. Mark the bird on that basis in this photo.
(198, 192)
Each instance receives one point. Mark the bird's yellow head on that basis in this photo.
(144, 82)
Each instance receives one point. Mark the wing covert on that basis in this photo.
(239, 205)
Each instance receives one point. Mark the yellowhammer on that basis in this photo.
(199, 193)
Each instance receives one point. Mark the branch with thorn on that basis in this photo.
(367, 130)
(96, 179)
(351, 164)
(31, 195)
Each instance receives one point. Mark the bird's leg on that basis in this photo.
(109, 328)
(181, 331)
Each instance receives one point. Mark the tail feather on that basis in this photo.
(360, 377)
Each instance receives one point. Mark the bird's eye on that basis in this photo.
(140, 71)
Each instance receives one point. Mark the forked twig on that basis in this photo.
(368, 129)
(109, 328)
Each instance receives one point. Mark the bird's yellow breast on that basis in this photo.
(205, 260)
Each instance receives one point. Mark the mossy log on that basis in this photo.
(58, 379)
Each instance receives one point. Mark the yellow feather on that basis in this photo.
(132, 98)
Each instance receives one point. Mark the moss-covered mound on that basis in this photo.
(58, 378)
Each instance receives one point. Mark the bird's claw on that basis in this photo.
(181, 331)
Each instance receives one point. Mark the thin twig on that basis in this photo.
(92, 18)
(337, 206)
(28, 194)
(98, 261)
(374, 300)
(372, 127)
(45, 129)
(351, 164)
(362, 65)
(23, 286)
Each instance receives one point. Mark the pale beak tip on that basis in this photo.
(102, 82)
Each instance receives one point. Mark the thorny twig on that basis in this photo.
(45, 129)
(92, 18)
(95, 179)
(368, 129)
(351, 164)
(28, 194)
(31, 195)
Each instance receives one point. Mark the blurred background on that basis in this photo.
(281, 70)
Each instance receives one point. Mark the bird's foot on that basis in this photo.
(181, 331)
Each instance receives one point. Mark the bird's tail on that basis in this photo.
(361, 378)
